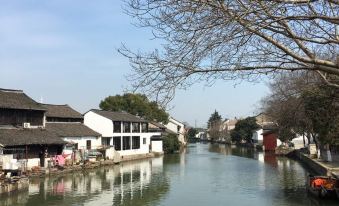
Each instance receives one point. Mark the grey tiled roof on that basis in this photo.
(71, 130)
(61, 111)
(15, 137)
(118, 116)
(17, 99)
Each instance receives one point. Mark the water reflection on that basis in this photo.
(203, 174)
(130, 183)
(282, 180)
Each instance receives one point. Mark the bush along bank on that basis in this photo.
(171, 143)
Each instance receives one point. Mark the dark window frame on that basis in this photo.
(135, 142)
(117, 144)
(126, 129)
(137, 128)
(88, 144)
(116, 128)
(144, 129)
(126, 142)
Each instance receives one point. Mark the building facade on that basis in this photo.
(127, 133)
(67, 123)
(178, 128)
(22, 129)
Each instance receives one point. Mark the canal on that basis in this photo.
(203, 174)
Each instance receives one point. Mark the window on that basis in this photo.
(105, 141)
(135, 142)
(126, 143)
(127, 127)
(88, 144)
(135, 127)
(117, 143)
(144, 127)
(76, 146)
(117, 127)
(144, 140)
(178, 128)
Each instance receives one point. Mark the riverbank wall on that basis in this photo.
(89, 165)
(317, 165)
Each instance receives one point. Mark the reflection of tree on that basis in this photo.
(171, 159)
(229, 150)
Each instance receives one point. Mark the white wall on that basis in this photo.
(299, 142)
(144, 148)
(98, 123)
(257, 136)
(173, 126)
(95, 141)
(157, 146)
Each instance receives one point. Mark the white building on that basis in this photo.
(177, 127)
(257, 136)
(300, 142)
(127, 133)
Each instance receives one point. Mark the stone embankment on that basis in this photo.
(319, 166)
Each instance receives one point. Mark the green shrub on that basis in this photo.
(171, 143)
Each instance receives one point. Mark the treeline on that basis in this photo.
(300, 103)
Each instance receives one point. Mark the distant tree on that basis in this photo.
(191, 133)
(215, 132)
(285, 107)
(243, 129)
(171, 143)
(214, 119)
(136, 104)
(214, 124)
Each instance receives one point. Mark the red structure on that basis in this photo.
(269, 140)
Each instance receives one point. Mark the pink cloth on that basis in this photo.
(59, 160)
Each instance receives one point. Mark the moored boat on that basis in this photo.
(323, 186)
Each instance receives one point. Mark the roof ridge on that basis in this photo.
(55, 104)
(11, 90)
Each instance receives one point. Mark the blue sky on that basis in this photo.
(65, 52)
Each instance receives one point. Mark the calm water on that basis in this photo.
(203, 174)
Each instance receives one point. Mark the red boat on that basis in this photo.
(323, 186)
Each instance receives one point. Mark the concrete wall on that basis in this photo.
(99, 124)
(257, 136)
(144, 148)
(318, 168)
(82, 141)
(299, 142)
(157, 146)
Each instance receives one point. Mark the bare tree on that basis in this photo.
(286, 107)
(209, 40)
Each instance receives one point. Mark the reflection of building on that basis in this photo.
(127, 183)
